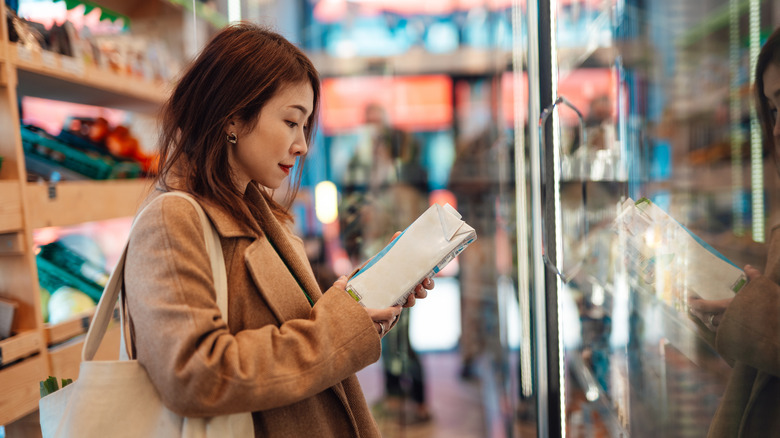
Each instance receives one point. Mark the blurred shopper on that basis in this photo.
(748, 331)
(237, 123)
(474, 182)
(388, 189)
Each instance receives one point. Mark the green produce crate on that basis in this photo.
(52, 277)
(92, 164)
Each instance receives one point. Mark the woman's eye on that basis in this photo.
(291, 124)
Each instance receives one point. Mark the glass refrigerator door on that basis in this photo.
(653, 190)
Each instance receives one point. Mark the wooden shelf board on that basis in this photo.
(52, 76)
(77, 202)
(21, 388)
(57, 333)
(10, 207)
(19, 346)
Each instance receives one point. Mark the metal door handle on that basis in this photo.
(557, 165)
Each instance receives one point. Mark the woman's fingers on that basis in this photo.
(386, 315)
(751, 272)
(341, 283)
(384, 319)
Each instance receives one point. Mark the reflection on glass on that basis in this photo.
(672, 124)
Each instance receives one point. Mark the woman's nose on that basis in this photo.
(299, 147)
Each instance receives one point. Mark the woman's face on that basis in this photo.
(772, 94)
(267, 153)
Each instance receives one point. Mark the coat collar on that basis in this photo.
(275, 250)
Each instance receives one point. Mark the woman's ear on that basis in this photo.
(231, 126)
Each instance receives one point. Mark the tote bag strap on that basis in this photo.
(108, 299)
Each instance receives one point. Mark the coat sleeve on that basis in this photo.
(197, 365)
(750, 329)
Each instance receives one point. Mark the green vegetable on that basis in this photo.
(50, 385)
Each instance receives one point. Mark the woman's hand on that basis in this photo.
(420, 292)
(751, 272)
(341, 283)
(384, 319)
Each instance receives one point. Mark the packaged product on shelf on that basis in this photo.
(421, 251)
(670, 260)
(7, 312)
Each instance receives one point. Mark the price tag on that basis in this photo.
(49, 59)
(23, 53)
(72, 65)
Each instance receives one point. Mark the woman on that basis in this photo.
(748, 332)
(237, 124)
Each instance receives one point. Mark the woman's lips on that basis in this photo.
(285, 169)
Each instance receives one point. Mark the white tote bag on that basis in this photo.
(116, 398)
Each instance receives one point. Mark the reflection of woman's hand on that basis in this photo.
(709, 312)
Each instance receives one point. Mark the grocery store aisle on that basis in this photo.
(456, 405)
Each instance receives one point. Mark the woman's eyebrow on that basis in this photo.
(300, 108)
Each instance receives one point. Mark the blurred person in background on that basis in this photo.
(387, 189)
(474, 182)
(748, 325)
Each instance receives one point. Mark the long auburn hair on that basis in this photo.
(770, 54)
(233, 77)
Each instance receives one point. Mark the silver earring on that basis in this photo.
(232, 138)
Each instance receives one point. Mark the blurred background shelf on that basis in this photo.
(464, 61)
(53, 76)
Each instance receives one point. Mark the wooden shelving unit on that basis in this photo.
(74, 202)
(36, 350)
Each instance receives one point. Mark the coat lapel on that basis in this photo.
(272, 278)
(278, 266)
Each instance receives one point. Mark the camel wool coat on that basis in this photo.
(749, 338)
(290, 363)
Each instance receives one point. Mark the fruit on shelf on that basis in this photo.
(98, 130)
(67, 302)
(120, 142)
(45, 296)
